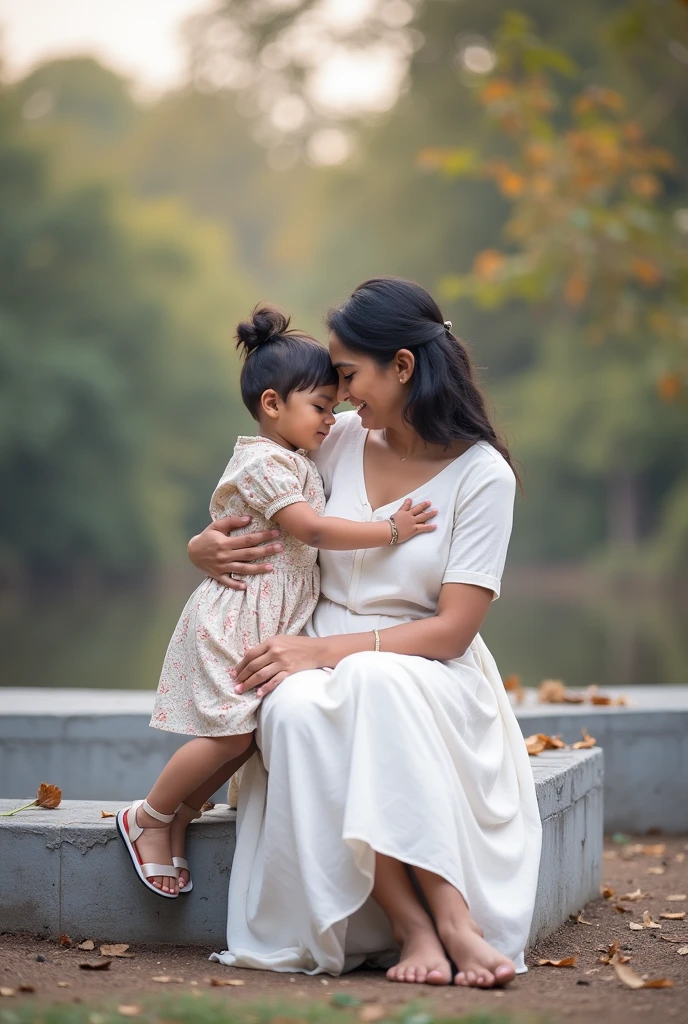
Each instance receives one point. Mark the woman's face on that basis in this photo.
(377, 392)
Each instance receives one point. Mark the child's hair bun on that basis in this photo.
(266, 324)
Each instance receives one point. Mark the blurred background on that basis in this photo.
(164, 166)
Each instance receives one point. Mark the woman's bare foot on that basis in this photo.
(422, 961)
(153, 847)
(183, 816)
(479, 964)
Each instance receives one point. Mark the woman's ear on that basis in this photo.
(404, 365)
(270, 403)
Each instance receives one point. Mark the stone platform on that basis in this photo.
(67, 870)
(97, 745)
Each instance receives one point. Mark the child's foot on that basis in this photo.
(153, 846)
(479, 964)
(422, 960)
(182, 818)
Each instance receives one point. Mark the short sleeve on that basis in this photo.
(271, 481)
(482, 526)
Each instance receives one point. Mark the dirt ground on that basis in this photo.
(588, 989)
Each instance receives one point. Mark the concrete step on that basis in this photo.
(97, 745)
(66, 871)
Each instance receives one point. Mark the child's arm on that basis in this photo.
(332, 534)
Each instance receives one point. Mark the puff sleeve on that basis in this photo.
(482, 527)
(271, 481)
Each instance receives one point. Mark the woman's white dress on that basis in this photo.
(420, 760)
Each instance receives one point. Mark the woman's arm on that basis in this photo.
(217, 554)
(333, 534)
(447, 634)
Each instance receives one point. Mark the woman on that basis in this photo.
(396, 765)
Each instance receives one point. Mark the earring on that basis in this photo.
(402, 380)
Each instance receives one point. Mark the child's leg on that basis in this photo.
(192, 765)
(191, 807)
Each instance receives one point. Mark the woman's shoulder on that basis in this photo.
(486, 467)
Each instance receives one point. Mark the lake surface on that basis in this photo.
(539, 629)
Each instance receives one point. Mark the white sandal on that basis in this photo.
(131, 832)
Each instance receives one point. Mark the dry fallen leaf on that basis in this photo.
(676, 897)
(26, 988)
(207, 806)
(613, 951)
(6, 992)
(598, 698)
(371, 1014)
(677, 916)
(96, 965)
(129, 1011)
(683, 951)
(621, 910)
(64, 984)
(48, 796)
(587, 741)
(551, 691)
(637, 895)
(164, 979)
(606, 891)
(635, 927)
(568, 961)
(670, 938)
(87, 944)
(539, 741)
(107, 814)
(655, 871)
(632, 980)
(118, 949)
(648, 922)
(64, 940)
(653, 851)
(581, 920)
(225, 982)
(679, 858)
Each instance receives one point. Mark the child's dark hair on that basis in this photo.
(280, 358)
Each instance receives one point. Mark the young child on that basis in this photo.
(289, 386)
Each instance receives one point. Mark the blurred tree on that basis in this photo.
(117, 402)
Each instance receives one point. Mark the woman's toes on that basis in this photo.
(505, 973)
(436, 977)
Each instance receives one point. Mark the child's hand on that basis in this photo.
(412, 521)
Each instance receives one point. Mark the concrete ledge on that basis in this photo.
(67, 870)
(97, 745)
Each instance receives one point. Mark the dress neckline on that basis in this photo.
(252, 439)
(409, 494)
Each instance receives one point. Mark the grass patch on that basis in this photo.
(188, 1008)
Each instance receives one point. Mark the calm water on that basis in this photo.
(118, 639)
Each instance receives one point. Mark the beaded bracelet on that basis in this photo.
(395, 532)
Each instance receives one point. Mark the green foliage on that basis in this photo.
(116, 378)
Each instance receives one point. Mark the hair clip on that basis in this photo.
(447, 325)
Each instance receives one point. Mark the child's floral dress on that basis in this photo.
(218, 625)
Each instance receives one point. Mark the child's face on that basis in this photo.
(306, 417)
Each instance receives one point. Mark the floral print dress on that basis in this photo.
(218, 625)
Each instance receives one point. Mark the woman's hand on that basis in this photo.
(216, 553)
(269, 663)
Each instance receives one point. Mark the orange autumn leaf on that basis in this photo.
(587, 741)
(569, 961)
(49, 796)
(488, 263)
(646, 272)
(540, 741)
(576, 289)
(551, 691)
(632, 980)
(669, 387)
(606, 891)
(107, 814)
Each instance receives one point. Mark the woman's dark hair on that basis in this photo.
(444, 402)
(279, 357)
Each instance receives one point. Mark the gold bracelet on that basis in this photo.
(377, 639)
(395, 532)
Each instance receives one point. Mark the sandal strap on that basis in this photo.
(165, 818)
(166, 870)
(181, 863)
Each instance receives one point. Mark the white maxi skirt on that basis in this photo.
(421, 760)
